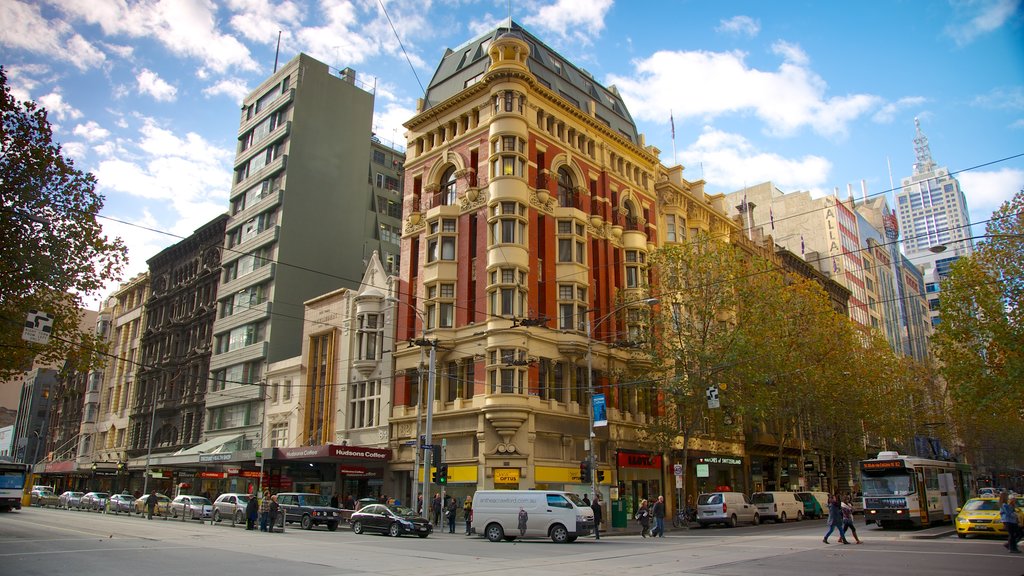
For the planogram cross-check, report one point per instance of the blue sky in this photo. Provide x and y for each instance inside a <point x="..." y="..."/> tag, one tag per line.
<point x="810" y="95"/>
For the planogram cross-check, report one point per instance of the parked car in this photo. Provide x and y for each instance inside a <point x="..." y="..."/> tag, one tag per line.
<point x="43" y="488"/>
<point x="38" y="494"/>
<point x="188" y="506"/>
<point x="988" y="492"/>
<point x="391" y="520"/>
<point x="48" y="499"/>
<point x="120" y="503"/>
<point x="231" y="505"/>
<point x="812" y="507"/>
<point x="729" y="508"/>
<point x="980" y="516"/>
<point x="308" y="510"/>
<point x="778" y="506"/>
<point x="561" y="516"/>
<point x="69" y="499"/>
<point x="94" y="501"/>
<point x="162" y="501"/>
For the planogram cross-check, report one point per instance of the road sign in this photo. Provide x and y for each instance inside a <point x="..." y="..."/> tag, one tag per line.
<point x="677" y="469"/>
<point x="38" y="326"/>
<point x="712" y="396"/>
<point x="427" y="446"/>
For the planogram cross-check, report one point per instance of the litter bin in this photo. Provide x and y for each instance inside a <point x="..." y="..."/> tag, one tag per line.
<point x="619" y="518"/>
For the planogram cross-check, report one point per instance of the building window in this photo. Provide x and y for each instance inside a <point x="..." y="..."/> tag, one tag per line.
<point x="254" y="194"/>
<point x="237" y="375"/>
<point x="508" y="292"/>
<point x="364" y="399"/>
<point x="508" y="156"/>
<point x="378" y="157"/>
<point x="370" y="337"/>
<point x="448" y="187"/>
<point x="279" y="435"/>
<point x="247" y="263"/>
<point x="441" y="241"/>
<point x="567" y="196"/>
<point x="572" y="307"/>
<point x="634" y="260"/>
<point x="508" y="371"/>
<point x="508" y="223"/>
<point x="233" y="416"/>
<point x="240" y="337"/>
<point x="571" y="241"/>
<point x="670" y="227"/>
<point x="243" y="300"/>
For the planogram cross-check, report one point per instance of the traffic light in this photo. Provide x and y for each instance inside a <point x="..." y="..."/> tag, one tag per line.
<point x="435" y="475"/>
<point x="600" y="475"/>
<point x="585" y="471"/>
<point x="442" y="474"/>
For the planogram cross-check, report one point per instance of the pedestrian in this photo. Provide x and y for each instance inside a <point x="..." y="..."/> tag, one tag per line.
<point x="835" y="519"/>
<point x="659" y="517"/>
<point x="274" y="510"/>
<point x="350" y="502"/>
<point x="596" y="507"/>
<point x="467" y="514"/>
<point x="586" y="500"/>
<point x="435" y="509"/>
<point x="848" y="523"/>
<point x="452" y="510"/>
<point x="150" y="505"/>
<point x="643" y="515"/>
<point x="264" y="510"/>
<point x="1008" y="516"/>
<point x="334" y="500"/>
<point x="252" y="508"/>
<point x="523" y="517"/>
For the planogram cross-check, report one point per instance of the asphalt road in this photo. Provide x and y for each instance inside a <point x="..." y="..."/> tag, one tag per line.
<point x="51" y="542"/>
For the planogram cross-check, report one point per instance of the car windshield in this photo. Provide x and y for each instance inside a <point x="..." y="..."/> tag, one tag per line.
<point x="200" y="501"/>
<point x="974" y="505"/>
<point x="892" y="485"/>
<point x="313" y="500"/>
<point x="402" y="511"/>
<point x="101" y="495"/>
<point x="243" y="498"/>
<point x="705" y="499"/>
<point x="576" y="499"/>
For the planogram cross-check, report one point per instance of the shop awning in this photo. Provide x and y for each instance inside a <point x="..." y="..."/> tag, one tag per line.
<point x="211" y="446"/>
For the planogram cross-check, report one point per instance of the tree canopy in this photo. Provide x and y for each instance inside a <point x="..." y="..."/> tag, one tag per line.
<point x="53" y="252"/>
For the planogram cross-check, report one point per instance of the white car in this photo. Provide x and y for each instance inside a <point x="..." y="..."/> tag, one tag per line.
<point x="194" y="507"/>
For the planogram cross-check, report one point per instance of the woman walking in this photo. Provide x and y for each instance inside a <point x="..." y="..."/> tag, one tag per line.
<point x="835" y="519"/>
<point x="1008" y="515"/>
<point x="848" y="524"/>
<point x="643" y="515"/>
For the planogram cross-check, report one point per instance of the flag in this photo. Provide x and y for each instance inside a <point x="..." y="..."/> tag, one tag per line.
<point x="771" y="217"/>
<point x="801" y="244"/>
<point x="672" y="122"/>
<point x="835" y="266"/>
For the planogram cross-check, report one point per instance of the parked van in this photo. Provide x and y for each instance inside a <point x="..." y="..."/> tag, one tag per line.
<point x="778" y="506"/>
<point x="729" y="508"/>
<point x="812" y="508"/>
<point x="561" y="516"/>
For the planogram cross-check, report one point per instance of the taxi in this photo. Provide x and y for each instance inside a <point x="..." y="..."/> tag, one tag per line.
<point x="980" y="516"/>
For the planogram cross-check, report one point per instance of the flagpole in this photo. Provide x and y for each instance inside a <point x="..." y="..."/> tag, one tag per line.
<point x="672" y="123"/>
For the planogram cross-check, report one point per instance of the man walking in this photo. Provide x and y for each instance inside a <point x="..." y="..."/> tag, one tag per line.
<point x="435" y="509"/>
<point x="596" y="507"/>
<point x="150" y="505"/>
<point x="659" y="517"/>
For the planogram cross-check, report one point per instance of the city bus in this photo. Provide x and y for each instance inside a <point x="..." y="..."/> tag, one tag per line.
<point x="12" y="485"/>
<point x="912" y="491"/>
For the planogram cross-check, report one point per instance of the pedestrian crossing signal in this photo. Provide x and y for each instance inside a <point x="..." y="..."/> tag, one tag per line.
<point x="442" y="474"/>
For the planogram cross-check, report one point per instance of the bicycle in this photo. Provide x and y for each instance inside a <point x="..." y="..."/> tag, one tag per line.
<point x="683" y="517"/>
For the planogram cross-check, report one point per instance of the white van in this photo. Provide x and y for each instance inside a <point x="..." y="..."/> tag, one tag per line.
<point x="561" y="516"/>
<point x="778" y="506"/>
<point x="729" y="508"/>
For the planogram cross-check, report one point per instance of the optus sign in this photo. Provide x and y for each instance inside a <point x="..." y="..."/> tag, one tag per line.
<point x="639" y="460"/>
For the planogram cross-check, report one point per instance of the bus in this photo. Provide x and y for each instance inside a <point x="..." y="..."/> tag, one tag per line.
<point x="912" y="491"/>
<point x="12" y="485"/>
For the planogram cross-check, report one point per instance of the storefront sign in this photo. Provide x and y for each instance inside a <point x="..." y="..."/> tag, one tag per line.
<point x="639" y="460"/>
<point x="600" y="411"/>
<point x="703" y="471"/>
<point x="211" y="475"/>
<point x="331" y="451"/>
<point x="226" y="457"/>
<point x="360" y="452"/>
<point x="558" y="475"/>
<point x="506" y="475"/>
<point x="60" y="466"/>
<point x="720" y="460"/>
<point x="251" y="474"/>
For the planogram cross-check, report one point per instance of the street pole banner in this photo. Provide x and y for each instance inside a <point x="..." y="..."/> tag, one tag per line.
<point x="600" y="410"/>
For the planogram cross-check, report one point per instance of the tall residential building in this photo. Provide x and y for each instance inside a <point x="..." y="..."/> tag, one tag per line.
<point x="303" y="222"/>
<point x="532" y="203"/>
<point x="932" y="212"/>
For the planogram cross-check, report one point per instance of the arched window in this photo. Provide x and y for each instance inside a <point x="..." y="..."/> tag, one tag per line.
<point x="448" y="188"/>
<point x="566" y="188"/>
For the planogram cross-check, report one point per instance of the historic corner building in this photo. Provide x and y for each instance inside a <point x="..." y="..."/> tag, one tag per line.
<point x="531" y="206"/>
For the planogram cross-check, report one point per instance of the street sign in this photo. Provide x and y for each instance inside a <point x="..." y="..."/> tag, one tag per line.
<point x="712" y="396"/>
<point x="677" y="469"/>
<point x="38" y="326"/>
<point x="428" y="446"/>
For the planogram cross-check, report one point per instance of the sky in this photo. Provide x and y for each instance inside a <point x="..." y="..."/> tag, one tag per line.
<point x="809" y="95"/>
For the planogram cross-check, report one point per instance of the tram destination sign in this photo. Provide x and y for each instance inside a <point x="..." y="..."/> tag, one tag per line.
<point x="882" y="465"/>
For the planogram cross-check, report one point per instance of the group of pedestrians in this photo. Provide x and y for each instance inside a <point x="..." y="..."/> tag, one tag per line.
<point x="445" y="513"/>
<point x="840" y="515"/>
<point x="656" y="512"/>
<point x="264" y="510"/>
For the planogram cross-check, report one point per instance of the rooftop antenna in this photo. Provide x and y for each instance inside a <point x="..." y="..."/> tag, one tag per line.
<point x="278" y="51"/>
<point x="922" y="151"/>
<point x="509" y="3"/>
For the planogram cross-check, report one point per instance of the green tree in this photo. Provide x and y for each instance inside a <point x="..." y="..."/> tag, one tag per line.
<point x="53" y="251"/>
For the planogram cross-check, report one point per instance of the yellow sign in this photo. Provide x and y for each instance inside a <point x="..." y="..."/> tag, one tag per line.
<point x="506" y="475"/>
<point x="557" y="475"/>
<point x="456" y="474"/>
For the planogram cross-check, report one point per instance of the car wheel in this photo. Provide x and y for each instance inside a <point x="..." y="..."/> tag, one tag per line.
<point x="782" y="518"/>
<point x="332" y="526"/>
<point x="307" y="522"/>
<point x="239" y="517"/>
<point x="394" y="530"/>
<point x="357" y="527"/>
<point x="494" y="532"/>
<point x="757" y="519"/>
<point x="216" y="515"/>
<point x="799" y="516"/>
<point x="732" y="521"/>
<point x="559" y="534"/>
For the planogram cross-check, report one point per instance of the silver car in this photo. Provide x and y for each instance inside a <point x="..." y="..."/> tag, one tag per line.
<point x="94" y="501"/>
<point x="69" y="499"/>
<point x="194" y="507"/>
<point x="231" y="505"/>
<point x="120" y="503"/>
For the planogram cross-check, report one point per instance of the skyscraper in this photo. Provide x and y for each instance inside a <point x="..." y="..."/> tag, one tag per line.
<point x="932" y="212"/>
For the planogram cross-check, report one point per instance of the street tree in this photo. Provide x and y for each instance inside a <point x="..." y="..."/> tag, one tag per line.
<point x="53" y="252"/>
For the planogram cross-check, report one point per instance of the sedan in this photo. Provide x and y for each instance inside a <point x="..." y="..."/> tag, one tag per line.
<point x="162" y="501"/>
<point x="40" y="495"/>
<point x="95" y="501"/>
<point x="980" y="516"/>
<point x="194" y="507"/>
<point x="69" y="499"/>
<point x="121" y="503"/>
<point x="391" y="520"/>
<point x="231" y="505"/>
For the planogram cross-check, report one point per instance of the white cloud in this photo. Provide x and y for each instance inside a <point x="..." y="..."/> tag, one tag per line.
<point x="982" y="17"/>
<point x="486" y="23"/>
<point x="577" y="21"/>
<point x="234" y="88"/>
<point x="151" y="83"/>
<point x="387" y="124"/>
<point x="744" y="25"/>
<point x="887" y="113"/>
<point x="125" y="52"/>
<point x="23" y="26"/>
<point x="786" y="100"/>
<point x="91" y="131"/>
<point x="57" y="108"/>
<point x="75" y="150"/>
<point x="791" y="53"/>
<point x="261" y="20"/>
<point x="1001" y="99"/>
<point x="1019" y="124"/>
<point x="730" y="161"/>
<point x="987" y="190"/>
<point x="188" y="28"/>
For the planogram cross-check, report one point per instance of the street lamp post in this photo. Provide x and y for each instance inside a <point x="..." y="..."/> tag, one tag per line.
<point x="590" y="379"/>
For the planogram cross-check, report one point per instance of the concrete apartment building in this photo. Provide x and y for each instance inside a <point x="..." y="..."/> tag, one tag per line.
<point x="306" y="212"/>
<point x="933" y="218"/>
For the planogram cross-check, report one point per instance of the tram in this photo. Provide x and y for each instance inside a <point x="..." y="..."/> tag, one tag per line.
<point x="913" y="491"/>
